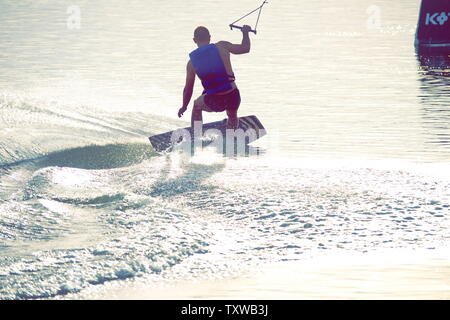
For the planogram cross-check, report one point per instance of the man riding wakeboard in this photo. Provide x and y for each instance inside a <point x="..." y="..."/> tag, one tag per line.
<point x="211" y="62"/>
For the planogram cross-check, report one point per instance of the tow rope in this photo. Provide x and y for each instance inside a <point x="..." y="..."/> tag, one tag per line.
<point x="234" y="26"/>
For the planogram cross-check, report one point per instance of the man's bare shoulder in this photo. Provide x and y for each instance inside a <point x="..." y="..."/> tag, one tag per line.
<point x="223" y="44"/>
<point x="233" y="48"/>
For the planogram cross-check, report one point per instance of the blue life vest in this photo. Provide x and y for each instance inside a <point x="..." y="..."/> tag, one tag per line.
<point x="210" y="69"/>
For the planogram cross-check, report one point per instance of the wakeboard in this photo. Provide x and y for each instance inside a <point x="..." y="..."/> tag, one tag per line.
<point x="250" y="125"/>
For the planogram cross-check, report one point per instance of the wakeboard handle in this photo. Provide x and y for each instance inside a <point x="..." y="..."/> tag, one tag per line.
<point x="240" y="28"/>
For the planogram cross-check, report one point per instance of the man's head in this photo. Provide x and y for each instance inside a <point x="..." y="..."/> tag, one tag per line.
<point x="201" y="36"/>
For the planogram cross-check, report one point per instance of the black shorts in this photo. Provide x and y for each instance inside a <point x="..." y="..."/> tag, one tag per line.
<point x="222" y="102"/>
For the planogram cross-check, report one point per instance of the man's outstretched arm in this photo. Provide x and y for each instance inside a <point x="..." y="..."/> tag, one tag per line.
<point x="188" y="88"/>
<point x="244" y="47"/>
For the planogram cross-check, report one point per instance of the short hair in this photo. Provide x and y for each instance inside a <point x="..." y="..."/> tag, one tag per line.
<point x="201" y="34"/>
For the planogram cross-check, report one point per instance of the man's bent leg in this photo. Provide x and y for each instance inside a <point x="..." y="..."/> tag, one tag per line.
<point x="233" y="120"/>
<point x="197" y="119"/>
<point x="196" y="113"/>
<point x="197" y="123"/>
<point x="199" y="106"/>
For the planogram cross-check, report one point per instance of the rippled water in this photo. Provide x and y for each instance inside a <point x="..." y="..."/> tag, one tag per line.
<point x="356" y="159"/>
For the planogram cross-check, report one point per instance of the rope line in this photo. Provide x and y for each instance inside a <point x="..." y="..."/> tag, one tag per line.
<point x="259" y="13"/>
<point x="232" y="25"/>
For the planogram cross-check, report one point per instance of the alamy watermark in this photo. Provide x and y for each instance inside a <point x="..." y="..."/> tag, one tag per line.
<point x="229" y="141"/>
<point x="73" y="21"/>
<point x="375" y="23"/>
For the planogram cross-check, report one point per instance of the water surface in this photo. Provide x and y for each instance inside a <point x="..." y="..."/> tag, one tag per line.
<point x="356" y="159"/>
